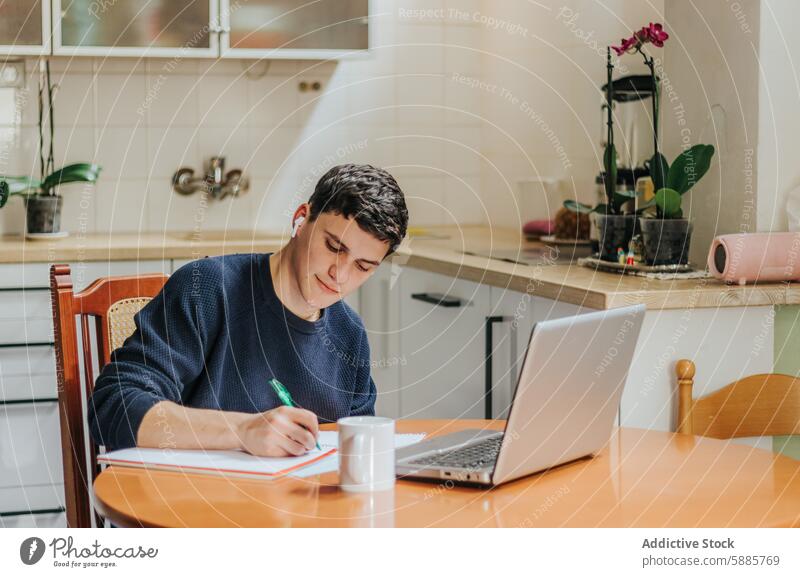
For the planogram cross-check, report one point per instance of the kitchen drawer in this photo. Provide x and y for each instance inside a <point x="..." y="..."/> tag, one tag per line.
<point x="56" y="520"/>
<point x="30" y="445"/>
<point x="31" y="498"/>
<point x="22" y="331"/>
<point x="25" y="304"/>
<point x="37" y="275"/>
<point x="25" y="316"/>
<point x="32" y="506"/>
<point x="27" y="360"/>
<point x="21" y="275"/>
<point x="25" y="387"/>
<point x="27" y="372"/>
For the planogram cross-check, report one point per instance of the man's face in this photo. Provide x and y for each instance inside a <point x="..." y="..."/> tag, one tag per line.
<point x="334" y="257"/>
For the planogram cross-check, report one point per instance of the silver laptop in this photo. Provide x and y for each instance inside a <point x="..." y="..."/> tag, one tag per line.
<point x="564" y="406"/>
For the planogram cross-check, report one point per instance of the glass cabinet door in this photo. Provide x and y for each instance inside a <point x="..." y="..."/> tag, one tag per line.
<point x="25" y="27"/>
<point x="294" y="28"/>
<point x="136" y="28"/>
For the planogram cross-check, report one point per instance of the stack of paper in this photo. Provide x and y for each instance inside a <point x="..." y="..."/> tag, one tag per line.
<point x="239" y="463"/>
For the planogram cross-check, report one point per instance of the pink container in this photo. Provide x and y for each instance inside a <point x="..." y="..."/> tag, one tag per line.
<point x="762" y="257"/>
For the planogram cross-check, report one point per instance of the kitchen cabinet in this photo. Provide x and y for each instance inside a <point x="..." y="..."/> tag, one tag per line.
<point x="25" y="27"/>
<point x="442" y="343"/>
<point x="260" y="29"/>
<point x="515" y="314"/>
<point x="179" y="28"/>
<point x="431" y="337"/>
<point x="380" y="313"/>
<point x="31" y="474"/>
<point x="294" y="28"/>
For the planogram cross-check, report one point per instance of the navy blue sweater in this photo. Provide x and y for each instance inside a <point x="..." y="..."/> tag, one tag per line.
<point x="212" y="339"/>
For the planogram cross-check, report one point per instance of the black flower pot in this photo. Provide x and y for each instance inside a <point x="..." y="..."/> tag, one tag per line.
<point x="666" y="241"/>
<point x="43" y="214"/>
<point x="614" y="231"/>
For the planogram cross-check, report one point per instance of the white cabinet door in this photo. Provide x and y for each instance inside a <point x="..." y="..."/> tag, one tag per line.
<point x="295" y="29"/>
<point x="25" y="27"/>
<point x="508" y="341"/>
<point x="442" y="324"/>
<point x="135" y="28"/>
<point x="30" y="448"/>
<point x="517" y="313"/>
<point x="380" y="312"/>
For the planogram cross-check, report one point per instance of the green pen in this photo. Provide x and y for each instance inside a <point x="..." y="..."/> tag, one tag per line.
<point x="285" y="397"/>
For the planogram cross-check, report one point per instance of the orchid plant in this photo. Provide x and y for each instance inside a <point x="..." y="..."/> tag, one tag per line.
<point x="49" y="178"/>
<point x="670" y="182"/>
<point x="653" y="34"/>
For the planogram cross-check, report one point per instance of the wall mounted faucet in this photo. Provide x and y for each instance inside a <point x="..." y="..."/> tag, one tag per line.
<point x="216" y="182"/>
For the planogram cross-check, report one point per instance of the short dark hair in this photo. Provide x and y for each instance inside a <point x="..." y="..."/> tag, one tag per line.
<point x="368" y="194"/>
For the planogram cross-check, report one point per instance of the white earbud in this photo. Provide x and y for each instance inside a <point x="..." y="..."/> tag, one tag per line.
<point x="298" y="221"/>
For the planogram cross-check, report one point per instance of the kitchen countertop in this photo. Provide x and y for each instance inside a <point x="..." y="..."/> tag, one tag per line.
<point x="442" y="251"/>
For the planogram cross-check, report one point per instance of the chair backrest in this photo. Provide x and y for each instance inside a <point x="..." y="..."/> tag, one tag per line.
<point x="110" y="305"/>
<point x="755" y="406"/>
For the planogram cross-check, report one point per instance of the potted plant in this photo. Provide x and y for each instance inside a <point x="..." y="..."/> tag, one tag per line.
<point x="615" y="229"/>
<point x="43" y="203"/>
<point x="667" y="237"/>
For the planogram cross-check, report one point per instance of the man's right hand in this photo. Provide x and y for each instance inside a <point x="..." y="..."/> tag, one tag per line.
<point x="281" y="432"/>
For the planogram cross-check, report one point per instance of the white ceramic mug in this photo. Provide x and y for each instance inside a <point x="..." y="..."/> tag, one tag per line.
<point x="366" y="454"/>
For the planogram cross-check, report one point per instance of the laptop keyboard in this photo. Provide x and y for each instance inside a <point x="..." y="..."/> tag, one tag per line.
<point x="477" y="456"/>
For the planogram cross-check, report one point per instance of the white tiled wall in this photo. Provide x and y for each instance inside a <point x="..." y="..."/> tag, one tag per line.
<point x="456" y="150"/>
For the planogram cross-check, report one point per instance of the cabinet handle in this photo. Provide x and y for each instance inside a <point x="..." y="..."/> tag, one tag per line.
<point x="487" y="378"/>
<point x="386" y="288"/>
<point x="28" y="401"/>
<point x="25" y="345"/>
<point x="437" y="299"/>
<point x="24" y="289"/>
<point x="33" y="512"/>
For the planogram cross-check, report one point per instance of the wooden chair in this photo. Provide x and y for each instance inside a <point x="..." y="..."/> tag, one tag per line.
<point x="755" y="406"/>
<point x="111" y="304"/>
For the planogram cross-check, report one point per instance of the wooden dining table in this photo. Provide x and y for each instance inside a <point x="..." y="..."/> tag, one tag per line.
<point x="641" y="478"/>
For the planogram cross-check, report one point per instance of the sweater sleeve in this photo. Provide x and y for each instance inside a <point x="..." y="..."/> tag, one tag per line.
<point x="165" y="353"/>
<point x="365" y="390"/>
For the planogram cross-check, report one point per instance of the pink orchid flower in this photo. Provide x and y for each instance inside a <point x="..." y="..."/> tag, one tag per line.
<point x="627" y="45"/>
<point x="653" y="34"/>
<point x="656" y="34"/>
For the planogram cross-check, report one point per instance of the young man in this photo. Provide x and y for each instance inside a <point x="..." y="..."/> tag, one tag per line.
<point x="195" y="373"/>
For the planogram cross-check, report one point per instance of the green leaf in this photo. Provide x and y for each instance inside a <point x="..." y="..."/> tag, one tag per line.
<point x="575" y="206"/>
<point x="659" y="169"/>
<point x="4" y="193"/>
<point x="629" y="193"/>
<point x="669" y="203"/>
<point x="690" y="166"/>
<point x="20" y="184"/>
<point x="610" y="166"/>
<point x="80" y="172"/>
<point x="620" y="199"/>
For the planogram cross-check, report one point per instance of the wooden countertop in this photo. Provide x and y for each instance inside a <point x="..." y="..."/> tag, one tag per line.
<point x="443" y="254"/>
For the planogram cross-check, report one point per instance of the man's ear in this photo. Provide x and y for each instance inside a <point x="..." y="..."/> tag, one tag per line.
<point x="296" y="226"/>
<point x="301" y="215"/>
